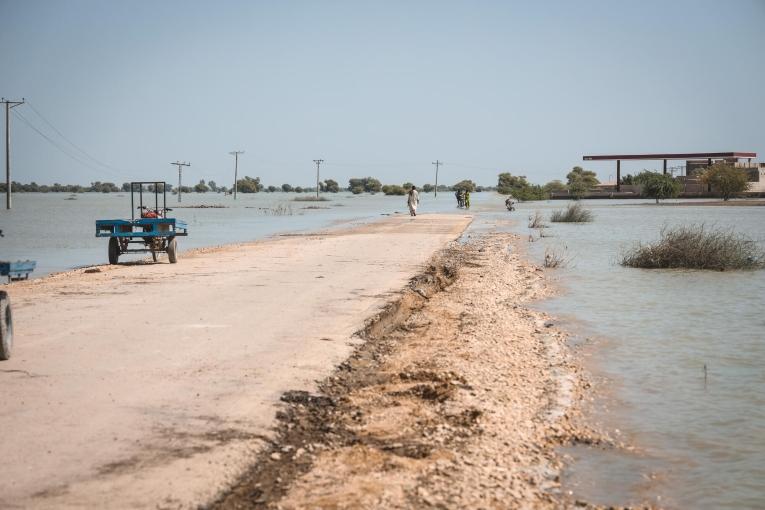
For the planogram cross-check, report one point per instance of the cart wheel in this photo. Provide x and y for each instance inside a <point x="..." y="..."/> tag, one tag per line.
<point x="172" y="246"/>
<point x="114" y="250"/>
<point x="6" y="326"/>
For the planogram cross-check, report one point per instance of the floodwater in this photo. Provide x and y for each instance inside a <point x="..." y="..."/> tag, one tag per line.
<point x="679" y="358"/>
<point x="58" y="229"/>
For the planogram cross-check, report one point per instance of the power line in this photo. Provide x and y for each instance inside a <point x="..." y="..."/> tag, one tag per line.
<point x="85" y="153"/>
<point x="8" y="105"/>
<point x="318" y="163"/>
<point x="60" y="148"/>
<point x="236" y="170"/>
<point x="180" y="166"/>
<point x="435" y="188"/>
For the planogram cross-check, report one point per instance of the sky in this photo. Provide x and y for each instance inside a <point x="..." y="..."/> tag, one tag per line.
<point x="118" y="90"/>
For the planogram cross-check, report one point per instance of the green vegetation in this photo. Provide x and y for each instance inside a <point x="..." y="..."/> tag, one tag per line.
<point x="657" y="185"/>
<point x="580" y="181"/>
<point x="394" y="189"/>
<point x="537" y="221"/>
<point x="366" y="184"/>
<point x="249" y="185"/>
<point x="725" y="179"/>
<point x="310" y="198"/>
<point x="466" y="185"/>
<point x="519" y="187"/>
<point x="573" y="213"/>
<point x="329" y="186"/>
<point x="553" y="186"/>
<point x="201" y="187"/>
<point x="696" y="247"/>
<point x="427" y="188"/>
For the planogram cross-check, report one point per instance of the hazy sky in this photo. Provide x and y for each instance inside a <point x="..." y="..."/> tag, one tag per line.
<point x="375" y="88"/>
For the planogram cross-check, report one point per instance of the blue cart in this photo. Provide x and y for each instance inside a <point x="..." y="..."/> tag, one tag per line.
<point x="152" y="232"/>
<point x="18" y="270"/>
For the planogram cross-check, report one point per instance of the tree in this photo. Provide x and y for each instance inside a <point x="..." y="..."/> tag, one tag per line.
<point x="519" y="187"/>
<point x="271" y="189"/>
<point x="393" y="189"/>
<point x="201" y="187"/>
<point x="657" y="185"/>
<point x="466" y="185"/>
<point x="249" y="185"/>
<point x="287" y="188"/>
<point x="552" y="186"/>
<point x="427" y="188"/>
<point x="357" y="190"/>
<point x="330" y="186"/>
<point x="368" y="184"/>
<point x="407" y="185"/>
<point x="298" y="189"/>
<point x="725" y="179"/>
<point x="580" y="174"/>
<point x="213" y="187"/>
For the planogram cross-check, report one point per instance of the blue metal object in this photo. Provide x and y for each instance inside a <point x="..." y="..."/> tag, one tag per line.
<point x="152" y="232"/>
<point x="144" y="227"/>
<point x="18" y="270"/>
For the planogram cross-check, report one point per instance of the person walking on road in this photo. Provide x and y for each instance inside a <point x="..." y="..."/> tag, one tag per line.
<point x="413" y="201"/>
<point x="467" y="199"/>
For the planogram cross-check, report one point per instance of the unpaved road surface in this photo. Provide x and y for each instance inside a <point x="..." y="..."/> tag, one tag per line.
<point x="152" y="386"/>
<point x="458" y="399"/>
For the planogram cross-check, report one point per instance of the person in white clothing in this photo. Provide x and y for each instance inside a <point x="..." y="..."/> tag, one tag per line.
<point x="413" y="201"/>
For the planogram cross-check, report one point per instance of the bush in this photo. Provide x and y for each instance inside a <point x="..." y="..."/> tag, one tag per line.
<point x="696" y="247"/>
<point x="573" y="213"/>
<point x="656" y="185"/>
<point x="537" y="221"/>
<point x="726" y="179"/>
<point x="310" y="198"/>
<point x="393" y="189"/>
<point x="466" y="185"/>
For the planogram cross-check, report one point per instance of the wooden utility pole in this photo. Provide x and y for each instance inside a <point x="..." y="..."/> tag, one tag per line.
<point x="318" y="163"/>
<point x="180" y="166"/>
<point x="8" y="105"/>
<point x="236" y="169"/>
<point x="435" y="189"/>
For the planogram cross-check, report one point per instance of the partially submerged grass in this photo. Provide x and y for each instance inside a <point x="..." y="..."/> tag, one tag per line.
<point x="537" y="221"/>
<point x="310" y="198"/>
<point x="555" y="258"/>
<point x="573" y="213"/>
<point x="697" y="247"/>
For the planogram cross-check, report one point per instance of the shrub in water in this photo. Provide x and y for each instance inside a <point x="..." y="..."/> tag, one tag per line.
<point x="573" y="213"/>
<point x="696" y="247"/>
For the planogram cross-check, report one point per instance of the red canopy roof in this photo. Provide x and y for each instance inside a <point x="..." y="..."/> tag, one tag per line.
<point x="681" y="155"/>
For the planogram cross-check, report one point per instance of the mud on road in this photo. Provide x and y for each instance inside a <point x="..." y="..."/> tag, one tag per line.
<point x="458" y="398"/>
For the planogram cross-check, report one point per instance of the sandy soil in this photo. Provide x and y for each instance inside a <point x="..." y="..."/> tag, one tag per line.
<point x="155" y="386"/>
<point x="459" y="398"/>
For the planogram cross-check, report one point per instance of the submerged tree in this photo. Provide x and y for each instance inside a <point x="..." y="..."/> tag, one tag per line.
<point x="725" y="179"/>
<point x="657" y="185"/>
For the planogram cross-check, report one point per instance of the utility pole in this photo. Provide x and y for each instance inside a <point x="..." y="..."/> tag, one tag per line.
<point x="318" y="163"/>
<point x="435" y="189"/>
<point x="236" y="169"/>
<point x="180" y="166"/>
<point x="8" y="105"/>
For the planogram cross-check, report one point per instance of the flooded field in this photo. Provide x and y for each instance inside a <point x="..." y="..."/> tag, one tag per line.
<point x="58" y="229"/>
<point x="679" y="357"/>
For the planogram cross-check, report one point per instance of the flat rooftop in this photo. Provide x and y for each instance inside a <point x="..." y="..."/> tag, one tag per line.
<point x="678" y="155"/>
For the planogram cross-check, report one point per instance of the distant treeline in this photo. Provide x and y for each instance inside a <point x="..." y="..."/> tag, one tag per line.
<point x="247" y="185"/>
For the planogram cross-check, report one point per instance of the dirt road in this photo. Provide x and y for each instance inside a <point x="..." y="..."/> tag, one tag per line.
<point x="149" y="386"/>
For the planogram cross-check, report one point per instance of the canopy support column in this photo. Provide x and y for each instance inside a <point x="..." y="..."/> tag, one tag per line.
<point x="618" y="175"/>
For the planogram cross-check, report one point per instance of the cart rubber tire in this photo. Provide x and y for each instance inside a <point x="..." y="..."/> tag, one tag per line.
<point x="6" y="326"/>
<point x="172" y="247"/>
<point x="114" y="250"/>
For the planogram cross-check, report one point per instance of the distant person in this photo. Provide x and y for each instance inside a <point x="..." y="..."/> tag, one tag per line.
<point x="509" y="203"/>
<point x="413" y="201"/>
<point x="467" y="199"/>
<point x="457" y="196"/>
